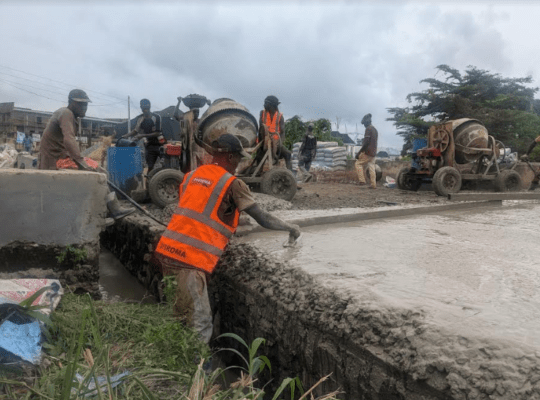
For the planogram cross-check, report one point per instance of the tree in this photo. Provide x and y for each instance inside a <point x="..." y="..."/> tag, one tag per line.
<point x="506" y="106"/>
<point x="295" y="129"/>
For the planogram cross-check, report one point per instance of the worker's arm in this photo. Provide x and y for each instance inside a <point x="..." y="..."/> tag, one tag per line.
<point x="268" y="221"/>
<point x="525" y="157"/>
<point x="365" y="143"/>
<point x="303" y="145"/>
<point x="67" y="125"/>
<point x="176" y="114"/>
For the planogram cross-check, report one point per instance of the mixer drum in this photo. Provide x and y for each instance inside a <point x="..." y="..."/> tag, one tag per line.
<point x="228" y="116"/>
<point x="469" y="133"/>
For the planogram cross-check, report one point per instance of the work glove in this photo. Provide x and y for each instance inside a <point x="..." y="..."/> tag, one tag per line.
<point x="524" y="157"/>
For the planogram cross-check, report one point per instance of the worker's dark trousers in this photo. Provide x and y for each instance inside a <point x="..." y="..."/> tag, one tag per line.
<point x="151" y="156"/>
<point x="305" y="161"/>
<point x="286" y="154"/>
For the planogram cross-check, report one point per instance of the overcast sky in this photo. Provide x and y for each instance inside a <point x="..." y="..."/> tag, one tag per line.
<point x="321" y="59"/>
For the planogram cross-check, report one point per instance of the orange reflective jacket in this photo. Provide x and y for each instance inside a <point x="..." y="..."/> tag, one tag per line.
<point x="195" y="235"/>
<point x="273" y="125"/>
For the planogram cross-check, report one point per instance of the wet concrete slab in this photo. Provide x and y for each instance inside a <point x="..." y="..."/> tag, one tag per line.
<point x="468" y="278"/>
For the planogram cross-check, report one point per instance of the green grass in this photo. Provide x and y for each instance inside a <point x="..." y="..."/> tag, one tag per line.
<point x="164" y="356"/>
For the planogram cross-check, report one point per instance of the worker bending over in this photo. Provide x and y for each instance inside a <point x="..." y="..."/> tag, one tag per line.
<point x="211" y="199"/>
<point x="367" y="153"/>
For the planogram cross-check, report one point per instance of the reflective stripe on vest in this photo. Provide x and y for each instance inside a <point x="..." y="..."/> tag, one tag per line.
<point x="195" y="235"/>
<point x="273" y="127"/>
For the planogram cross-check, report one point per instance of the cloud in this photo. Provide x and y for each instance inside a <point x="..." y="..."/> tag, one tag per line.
<point x="323" y="60"/>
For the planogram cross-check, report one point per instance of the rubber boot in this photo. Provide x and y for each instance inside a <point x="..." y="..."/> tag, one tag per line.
<point x="306" y="176"/>
<point x="116" y="211"/>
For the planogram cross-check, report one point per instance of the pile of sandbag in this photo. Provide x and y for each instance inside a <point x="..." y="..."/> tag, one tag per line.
<point x="8" y="156"/>
<point x="330" y="157"/>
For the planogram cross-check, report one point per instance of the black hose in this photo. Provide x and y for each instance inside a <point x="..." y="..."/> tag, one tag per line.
<point x="134" y="203"/>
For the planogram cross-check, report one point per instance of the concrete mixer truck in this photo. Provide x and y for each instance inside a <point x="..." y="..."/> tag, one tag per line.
<point x="261" y="172"/>
<point x="456" y="152"/>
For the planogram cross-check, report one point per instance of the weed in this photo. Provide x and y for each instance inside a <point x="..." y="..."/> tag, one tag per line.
<point x="72" y="256"/>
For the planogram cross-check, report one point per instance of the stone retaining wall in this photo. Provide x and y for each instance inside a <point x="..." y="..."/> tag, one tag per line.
<point x="310" y="331"/>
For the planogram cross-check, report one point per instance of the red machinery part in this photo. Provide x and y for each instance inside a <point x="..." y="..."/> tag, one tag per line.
<point x="173" y="149"/>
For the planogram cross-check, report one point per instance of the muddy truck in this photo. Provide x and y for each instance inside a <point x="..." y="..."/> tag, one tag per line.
<point x="262" y="172"/>
<point x="459" y="152"/>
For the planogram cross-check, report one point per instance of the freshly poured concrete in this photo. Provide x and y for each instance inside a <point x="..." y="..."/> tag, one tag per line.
<point x="469" y="279"/>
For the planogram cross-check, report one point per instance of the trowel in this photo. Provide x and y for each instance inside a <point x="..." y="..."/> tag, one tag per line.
<point x="292" y="242"/>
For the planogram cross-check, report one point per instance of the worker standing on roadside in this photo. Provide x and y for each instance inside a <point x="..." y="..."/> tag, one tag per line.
<point x="27" y="142"/>
<point x="307" y="153"/>
<point x="148" y="127"/>
<point x="211" y="199"/>
<point x="273" y="119"/>
<point x="59" y="148"/>
<point x="367" y="153"/>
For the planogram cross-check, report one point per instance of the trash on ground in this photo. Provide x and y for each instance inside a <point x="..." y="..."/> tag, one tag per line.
<point x="90" y="387"/>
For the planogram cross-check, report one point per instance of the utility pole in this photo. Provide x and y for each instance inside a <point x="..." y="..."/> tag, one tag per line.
<point x="129" y="115"/>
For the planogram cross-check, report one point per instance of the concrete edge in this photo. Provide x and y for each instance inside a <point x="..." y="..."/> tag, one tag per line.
<point x="362" y="216"/>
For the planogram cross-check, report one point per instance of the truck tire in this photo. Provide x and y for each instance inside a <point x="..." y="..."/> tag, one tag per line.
<point x="508" y="181"/>
<point x="280" y="183"/>
<point x="446" y="180"/>
<point x="378" y="173"/>
<point x="164" y="187"/>
<point x="405" y="182"/>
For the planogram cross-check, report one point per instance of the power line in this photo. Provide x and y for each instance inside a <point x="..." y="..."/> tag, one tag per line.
<point x="30" y="86"/>
<point x="63" y="83"/>
<point x="40" y="95"/>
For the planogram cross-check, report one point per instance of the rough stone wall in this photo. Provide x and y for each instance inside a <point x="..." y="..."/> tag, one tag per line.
<point x="373" y="352"/>
<point x="311" y="331"/>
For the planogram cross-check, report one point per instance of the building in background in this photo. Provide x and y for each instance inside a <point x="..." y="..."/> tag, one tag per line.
<point x="18" y="119"/>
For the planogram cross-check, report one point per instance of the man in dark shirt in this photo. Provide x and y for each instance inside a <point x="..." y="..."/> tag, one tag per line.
<point x="367" y="153"/>
<point x="148" y="127"/>
<point x="307" y="153"/>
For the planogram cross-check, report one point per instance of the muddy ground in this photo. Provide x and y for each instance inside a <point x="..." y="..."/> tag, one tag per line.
<point x="320" y="196"/>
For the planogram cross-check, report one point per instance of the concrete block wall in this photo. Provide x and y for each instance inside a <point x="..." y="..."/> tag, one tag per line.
<point x="43" y="212"/>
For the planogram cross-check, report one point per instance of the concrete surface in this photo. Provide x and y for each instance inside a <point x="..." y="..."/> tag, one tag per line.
<point x="51" y="207"/>
<point x="449" y="300"/>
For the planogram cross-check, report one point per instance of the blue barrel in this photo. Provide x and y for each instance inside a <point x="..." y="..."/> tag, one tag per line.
<point x="418" y="143"/>
<point x="125" y="166"/>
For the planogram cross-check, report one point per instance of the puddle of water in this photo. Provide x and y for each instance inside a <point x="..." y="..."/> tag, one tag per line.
<point x="471" y="271"/>
<point x="115" y="280"/>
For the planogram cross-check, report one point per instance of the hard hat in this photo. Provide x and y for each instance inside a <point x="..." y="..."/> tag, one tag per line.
<point x="79" y="95"/>
<point x="230" y="144"/>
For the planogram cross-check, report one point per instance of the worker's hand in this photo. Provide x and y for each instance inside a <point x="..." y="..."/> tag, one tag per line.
<point x="138" y="137"/>
<point x="524" y="157"/>
<point x="84" y="166"/>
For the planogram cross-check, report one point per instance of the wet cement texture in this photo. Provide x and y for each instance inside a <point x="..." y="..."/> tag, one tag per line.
<point x="448" y="300"/>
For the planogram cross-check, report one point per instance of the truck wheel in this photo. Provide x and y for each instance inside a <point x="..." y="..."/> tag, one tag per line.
<point x="280" y="183"/>
<point x="405" y="182"/>
<point x="508" y="181"/>
<point x="153" y="172"/>
<point x="446" y="180"/>
<point x="164" y="187"/>
<point x="378" y="173"/>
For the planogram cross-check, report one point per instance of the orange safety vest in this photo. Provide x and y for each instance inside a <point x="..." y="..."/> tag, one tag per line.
<point x="273" y="126"/>
<point x="195" y="235"/>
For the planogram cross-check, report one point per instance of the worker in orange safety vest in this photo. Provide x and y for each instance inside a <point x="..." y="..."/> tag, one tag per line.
<point x="211" y="199"/>
<point x="273" y="119"/>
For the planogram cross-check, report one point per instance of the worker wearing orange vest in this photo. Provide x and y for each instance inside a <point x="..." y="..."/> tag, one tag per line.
<point x="273" y="119"/>
<point x="211" y="199"/>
